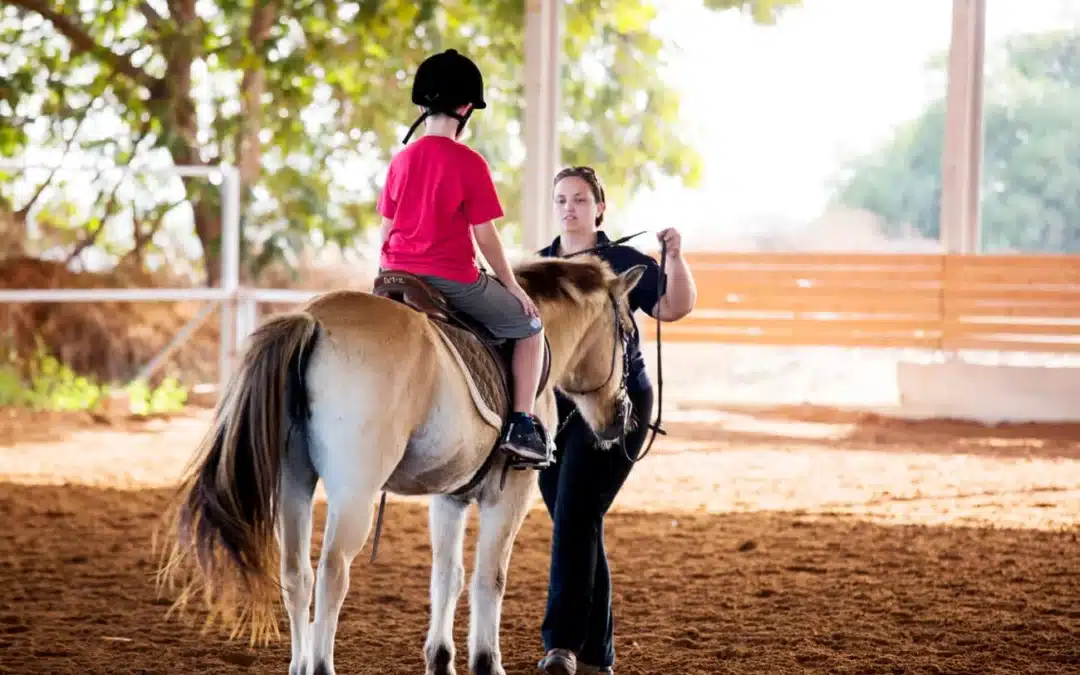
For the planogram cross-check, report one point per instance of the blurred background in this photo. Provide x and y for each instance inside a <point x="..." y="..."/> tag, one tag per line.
<point x="751" y="125"/>
<point x="789" y="522"/>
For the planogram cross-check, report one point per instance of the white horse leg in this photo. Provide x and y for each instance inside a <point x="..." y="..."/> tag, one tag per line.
<point x="298" y="481"/>
<point x="446" y="521"/>
<point x="348" y="521"/>
<point x="352" y="477"/>
<point x="501" y="515"/>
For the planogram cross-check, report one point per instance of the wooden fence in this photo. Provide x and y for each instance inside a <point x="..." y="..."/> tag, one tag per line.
<point x="948" y="302"/>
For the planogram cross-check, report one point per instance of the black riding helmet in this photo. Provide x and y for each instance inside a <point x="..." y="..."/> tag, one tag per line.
<point x="444" y="82"/>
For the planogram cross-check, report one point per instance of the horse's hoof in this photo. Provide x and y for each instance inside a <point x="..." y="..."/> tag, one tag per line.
<point x="441" y="662"/>
<point x="299" y="669"/>
<point x="485" y="664"/>
<point x="323" y="668"/>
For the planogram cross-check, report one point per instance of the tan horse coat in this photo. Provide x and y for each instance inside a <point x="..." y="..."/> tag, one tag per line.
<point x="361" y="392"/>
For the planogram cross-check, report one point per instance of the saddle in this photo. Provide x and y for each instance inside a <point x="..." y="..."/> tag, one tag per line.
<point x="487" y="358"/>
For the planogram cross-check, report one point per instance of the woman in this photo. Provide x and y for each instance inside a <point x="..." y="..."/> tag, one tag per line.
<point x="580" y="487"/>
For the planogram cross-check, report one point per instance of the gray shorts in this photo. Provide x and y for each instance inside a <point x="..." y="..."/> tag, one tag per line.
<point x="488" y="302"/>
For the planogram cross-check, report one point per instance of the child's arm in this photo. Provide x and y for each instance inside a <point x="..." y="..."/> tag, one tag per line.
<point x="490" y="243"/>
<point x="384" y="229"/>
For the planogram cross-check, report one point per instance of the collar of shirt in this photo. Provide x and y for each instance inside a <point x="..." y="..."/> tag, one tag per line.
<point x="549" y="251"/>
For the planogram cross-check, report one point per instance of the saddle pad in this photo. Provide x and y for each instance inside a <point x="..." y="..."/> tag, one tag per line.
<point x="483" y="373"/>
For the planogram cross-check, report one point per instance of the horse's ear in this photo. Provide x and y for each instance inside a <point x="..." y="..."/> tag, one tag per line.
<point x="627" y="280"/>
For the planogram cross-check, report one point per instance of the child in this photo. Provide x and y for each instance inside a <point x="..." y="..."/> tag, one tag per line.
<point x="439" y="194"/>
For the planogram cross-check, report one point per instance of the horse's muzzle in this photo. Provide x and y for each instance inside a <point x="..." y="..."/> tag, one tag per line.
<point x="616" y="430"/>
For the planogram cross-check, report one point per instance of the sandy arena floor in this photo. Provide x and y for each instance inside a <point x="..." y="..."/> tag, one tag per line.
<point x="798" y="540"/>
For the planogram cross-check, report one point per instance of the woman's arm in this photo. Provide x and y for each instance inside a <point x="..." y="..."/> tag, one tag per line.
<point x="681" y="293"/>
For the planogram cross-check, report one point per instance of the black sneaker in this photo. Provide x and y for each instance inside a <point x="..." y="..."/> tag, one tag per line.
<point x="525" y="441"/>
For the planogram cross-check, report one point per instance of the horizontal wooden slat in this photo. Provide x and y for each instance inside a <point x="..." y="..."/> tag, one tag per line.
<point x="815" y="259"/>
<point x="995" y="276"/>
<point x="854" y="302"/>
<point x="838" y="276"/>
<point x="709" y="296"/>
<point x="999" y="345"/>
<point x="788" y="339"/>
<point x="1005" y="308"/>
<point x="832" y="326"/>
<point x="959" y="328"/>
<point x="928" y="301"/>
<point x="1018" y="294"/>
<point x="1017" y="261"/>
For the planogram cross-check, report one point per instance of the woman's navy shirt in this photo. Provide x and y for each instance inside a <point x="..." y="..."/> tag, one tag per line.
<point x="644" y="296"/>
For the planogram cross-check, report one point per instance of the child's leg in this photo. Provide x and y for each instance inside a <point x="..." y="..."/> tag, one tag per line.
<point x="527" y="365"/>
<point x="491" y="304"/>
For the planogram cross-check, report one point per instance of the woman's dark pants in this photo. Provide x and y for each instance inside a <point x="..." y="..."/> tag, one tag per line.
<point x="578" y="490"/>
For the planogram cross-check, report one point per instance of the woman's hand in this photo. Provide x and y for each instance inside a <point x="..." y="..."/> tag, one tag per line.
<point x="518" y="292"/>
<point x="680" y="293"/>
<point x="673" y="239"/>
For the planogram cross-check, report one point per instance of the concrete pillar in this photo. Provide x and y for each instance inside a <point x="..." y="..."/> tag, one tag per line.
<point x="961" y="166"/>
<point x="543" y="51"/>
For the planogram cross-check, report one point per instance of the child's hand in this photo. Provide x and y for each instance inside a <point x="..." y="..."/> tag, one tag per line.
<point x="530" y="307"/>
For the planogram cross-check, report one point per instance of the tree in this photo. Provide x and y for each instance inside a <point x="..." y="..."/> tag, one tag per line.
<point x="1031" y="158"/>
<point x="300" y="93"/>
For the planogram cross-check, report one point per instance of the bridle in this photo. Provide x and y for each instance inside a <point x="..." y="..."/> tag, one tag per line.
<point x="620" y="335"/>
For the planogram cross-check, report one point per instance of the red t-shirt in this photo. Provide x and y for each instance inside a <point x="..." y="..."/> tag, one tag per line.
<point x="436" y="190"/>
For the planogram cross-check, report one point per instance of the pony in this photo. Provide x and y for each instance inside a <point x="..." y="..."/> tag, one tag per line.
<point x="362" y="392"/>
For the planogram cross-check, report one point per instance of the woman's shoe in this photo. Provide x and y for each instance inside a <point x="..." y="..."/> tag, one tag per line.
<point x="558" y="662"/>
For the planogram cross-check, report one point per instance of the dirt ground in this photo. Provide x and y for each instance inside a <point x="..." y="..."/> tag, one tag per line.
<point x="794" y="540"/>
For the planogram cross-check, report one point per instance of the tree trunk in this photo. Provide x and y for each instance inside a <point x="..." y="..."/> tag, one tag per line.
<point x="208" y="229"/>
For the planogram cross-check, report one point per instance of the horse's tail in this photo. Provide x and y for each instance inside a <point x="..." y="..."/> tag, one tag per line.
<point x="224" y="518"/>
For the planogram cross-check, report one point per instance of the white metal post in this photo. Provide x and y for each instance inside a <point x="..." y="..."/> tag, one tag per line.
<point x="543" y="49"/>
<point x="231" y="334"/>
<point x="961" y="165"/>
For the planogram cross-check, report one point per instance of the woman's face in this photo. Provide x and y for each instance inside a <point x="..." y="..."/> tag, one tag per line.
<point x="575" y="205"/>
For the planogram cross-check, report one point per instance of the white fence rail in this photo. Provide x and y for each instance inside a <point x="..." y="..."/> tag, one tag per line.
<point x="234" y="327"/>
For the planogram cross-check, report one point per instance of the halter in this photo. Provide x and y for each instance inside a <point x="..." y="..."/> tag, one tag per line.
<point x="620" y="335"/>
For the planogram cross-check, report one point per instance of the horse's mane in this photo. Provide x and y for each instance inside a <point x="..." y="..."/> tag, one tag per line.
<point x="554" y="279"/>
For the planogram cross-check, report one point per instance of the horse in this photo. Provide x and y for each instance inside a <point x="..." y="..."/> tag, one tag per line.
<point x="364" y="391"/>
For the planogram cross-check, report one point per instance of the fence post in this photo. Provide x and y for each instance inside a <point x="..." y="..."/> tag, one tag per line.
<point x="230" y="272"/>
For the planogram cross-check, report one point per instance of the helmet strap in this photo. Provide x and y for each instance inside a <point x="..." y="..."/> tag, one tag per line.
<point x="415" y="124"/>
<point x="461" y="119"/>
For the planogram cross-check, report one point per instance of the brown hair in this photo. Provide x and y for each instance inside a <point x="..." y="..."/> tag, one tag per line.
<point x="587" y="174"/>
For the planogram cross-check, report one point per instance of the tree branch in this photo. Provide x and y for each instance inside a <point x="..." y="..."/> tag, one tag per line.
<point x="82" y="42"/>
<point x="153" y="18"/>
<point x="145" y="236"/>
<point x="110" y="211"/>
<point x="81" y="117"/>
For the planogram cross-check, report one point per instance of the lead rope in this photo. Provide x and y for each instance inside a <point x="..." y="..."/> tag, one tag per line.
<point x="378" y="527"/>
<point x="656" y="426"/>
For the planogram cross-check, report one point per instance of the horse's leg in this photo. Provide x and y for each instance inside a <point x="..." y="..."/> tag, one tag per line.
<point x="501" y="515"/>
<point x="447" y="525"/>
<point x="352" y="478"/>
<point x="298" y="481"/>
